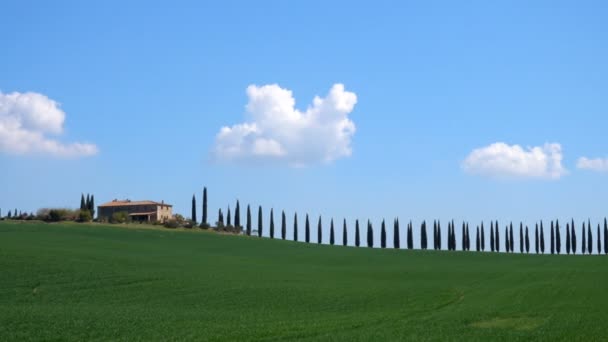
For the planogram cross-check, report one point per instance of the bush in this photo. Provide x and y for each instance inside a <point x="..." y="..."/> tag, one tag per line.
<point x="204" y="226"/>
<point x="120" y="217"/>
<point x="171" y="224"/>
<point x="85" y="216"/>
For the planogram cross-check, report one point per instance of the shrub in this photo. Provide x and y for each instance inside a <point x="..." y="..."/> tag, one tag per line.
<point x="204" y="225"/>
<point x="171" y="224"/>
<point x="120" y="217"/>
<point x="84" y="216"/>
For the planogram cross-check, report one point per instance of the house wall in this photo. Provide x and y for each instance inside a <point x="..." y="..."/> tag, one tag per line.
<point x="163" y="212"/>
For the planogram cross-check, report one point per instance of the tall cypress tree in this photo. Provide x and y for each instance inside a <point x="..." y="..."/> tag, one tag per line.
<point x="357" y="234"/>
<point x="283" y="225"/>
<point x="237" y="215"/>
<point x="228" y="219"/>
<point x="423" y="239"/>
<point x="463" y="238"/>
<point x="272" y="223"/>
<point x="496" y="237"/>
<point x="599" y="242"/>
<point x="193" y="209"/>
<point x="584" y="242"/>
<point x="295" y="227"/>
<point x="383" y="235"/>
<point x="605" y="236"/>
<point x="477" y="242"/>
<point x="492" y="245"/>
<point x="220" y="217"/>
<point x="370" y="235"/>
<point x="573" y="237"/>
<point x="527" y="241"/>
<point x="331" y="232"/>
<point x="468" y="238"/>
<point x="558" y="238"/>
<point x="438" y="235"/>
<point x="248" y="220"/>
<point x="483" y="238"/>
<point x="410" y="236"/>
<point x="92" y="210"/>
<point x="87" y="204"/>
<point x="507" y="242"/>
<point x="344" y="233"/>
<point x="521" y="237"/>
<point x="589" y="238"/>
<point x="319" y="231"/>
<point x="396" y="238"/>
<point x="511" y="237"/>
<point x="307" y="230"/>
<point x="536" y="242"/>
<point x="434" y="235"/>
<point x="83" y="205"/>
<point x="552" y="239"/>
<point x="567" y="238"/>
<point x="542" y="238"/>
<point x="260" y="226"/>
<point x="204" y="205"/>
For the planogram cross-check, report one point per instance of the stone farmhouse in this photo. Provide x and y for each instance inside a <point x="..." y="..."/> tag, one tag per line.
<point x="139" y="211"/>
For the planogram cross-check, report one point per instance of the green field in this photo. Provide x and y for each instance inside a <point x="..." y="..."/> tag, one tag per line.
<point x="91" y="282"/>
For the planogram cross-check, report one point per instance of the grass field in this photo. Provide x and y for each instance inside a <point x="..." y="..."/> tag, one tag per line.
<point x="90" y="282"/>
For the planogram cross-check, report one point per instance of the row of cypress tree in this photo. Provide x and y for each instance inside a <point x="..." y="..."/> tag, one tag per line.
<point x="465" y="244"/>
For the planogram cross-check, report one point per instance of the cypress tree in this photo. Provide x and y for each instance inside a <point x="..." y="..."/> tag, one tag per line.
<point x="492" y="245"/>
<point x="423" y="235"/>
<point x="573" y="237"/>
<point x="542" y="238"/>
<point x="507" y="242"/>
<point x="477" y="242"/>
<point x="589" y="238"/>
<point x="248" y="220"/>
<point x="521" y="237"/>
<point x="370" y="235"/>
<point x="237" y="215"/>
<point x="496" y="237"/>
<point x="220" y="217"/>
<point x="511" y="247"/>
<point x="468" y="238"/>
<point x="92" y="210"/>
<point x="331" y="232"/>
<point x="307" y="230"/>
<point x="205" y="205"/>
<point x="435" y="235"/>
<point x="83" y="205"/>
<point x="283" y="225"/>
<point x="599" y="242"/>
<point x="193" y="209"/>
<point x="295" y="227"/>
<point x="552" y="239"/>
<point x="438" y="235"/>
<point x="271" y="223"/>
<point x="584" y="243"/>
<point x="9" y="215"/>
<point x="536" y="242"/>
<point x="228" y="220"/>
<point x="319" y="231"/>
<point x="396" y="238"/>
<point x="410" y="236"/>
<point x="558" y="238"/>
<point x="483" y="238"/>
<point x="383" y="236"/>
<point x="527" y="241"/>
<point x="87" y="204"/>
<point x="357" y="235"/>
<point x="344" y="233"/>
<point x="260" y="226"/>
<point x="605" y="236"/>
<point x="567" y="238"/>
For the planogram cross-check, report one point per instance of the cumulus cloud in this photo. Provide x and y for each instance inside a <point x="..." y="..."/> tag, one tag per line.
<point x="278" y="132"/>
<point x="500" y="160"/>
<point x="597" y="164"/>
<point x="27" y="120"/>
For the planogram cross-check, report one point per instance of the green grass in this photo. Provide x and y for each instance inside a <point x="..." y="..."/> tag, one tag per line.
<point x="92" y="282"/>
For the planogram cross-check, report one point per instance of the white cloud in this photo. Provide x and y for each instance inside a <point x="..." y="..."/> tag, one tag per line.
<point x="278" y="132"/>
<point x="500" y="160"/>
<point x="26" y="120"/>
<point x="597" y="164"/>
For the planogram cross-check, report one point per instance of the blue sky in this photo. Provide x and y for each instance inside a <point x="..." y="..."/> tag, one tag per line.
<point x="145" y="88"/>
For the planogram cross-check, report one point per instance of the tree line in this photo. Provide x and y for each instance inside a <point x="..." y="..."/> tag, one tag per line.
<point x="232" y="222"/>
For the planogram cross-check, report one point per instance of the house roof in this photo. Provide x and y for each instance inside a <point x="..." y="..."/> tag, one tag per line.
<point x="126" y="203"/>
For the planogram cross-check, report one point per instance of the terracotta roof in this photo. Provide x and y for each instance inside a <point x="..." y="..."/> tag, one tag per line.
<point x="125" y="203"/>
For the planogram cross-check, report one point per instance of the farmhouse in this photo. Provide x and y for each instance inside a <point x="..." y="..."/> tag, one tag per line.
<point x="142" y="211"/>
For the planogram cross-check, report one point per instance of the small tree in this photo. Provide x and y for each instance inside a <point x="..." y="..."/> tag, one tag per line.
<point x="228" y="218"/>
<point x="83" y="205"/>
<point x="248" y="220"/>
<point x="573" y="237"/>
<point x="237" y="215"/>
<point x="220" y="218"/>
<point x="260" y="226"/>
<point x="521" y="237"/>
<point x="295" y="227"/>
<point x="558" y="238"/>
<point x="599" y="242"/>
<point x="584" y="243"/>
<point x="357" y="237"/>
<point x="193" y="209"/>
<point x="396" y="242"/>
<point x="552" y="239"/>
<point x="492" y="244"/>
<point x="204" y="205"/>
<point x="84" y="216"/>
<point x="463" y="238"/>
<point x="477" y="242"/>
<point x="483" y="238"/>
<point x="589" y="239"/>
<point x="272" y="223"/>
<point x="283" y="226"/>
<point x="331" y="232"/>
<point x="410" y="236"/>
<point x="567" y="238"/>
<point x="527" y="241"/>
<point x="511" y="247"/>
<point x="605" y="236"/>
<point x="496" y="237"/>
<point x="383" y="236"/>
<point x="370" y="235"/>
<point x="536" y="241"/>
<point x="542" y="238"/>
<point x="344" y="233"/>
<point x="507" y="242"/>
<point x="319" y="231"/>
<point x="423" y="238"/>
<point x="307" y="230"/>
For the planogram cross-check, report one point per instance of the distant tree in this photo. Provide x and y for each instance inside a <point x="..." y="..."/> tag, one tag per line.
<point x="558" y="238"/>
<point x="552" y="239"/>
<point x="92" y="210"/>
<point x="295" y="227"/>
<point x="204" y="205"/>
<point x="272" y="223"/>
<point x="283" y="225"/>
<point x="605" y="236"/>
<point x="248" y="220"/>
<point x="434" y="235"/>
<point x="567" y="238"/>
<point x="319" y="231"/>
<point x="260" y="226"/>
<point x="410" y="236"/>
<point x="463" y="238"/>
<point x="497" y="237"/>
<point x="83" y="205"/>
<point x="511" y="243"/>
<point x="9" y="215"/>
<point x="228" y="218"/>
<point x="573" y="237"/>
<point x="423" y="238"/>
<point x="507" y="242"/>
<point x="521" y="237"/>
<point x="584" y="243"/>
<point x="357" y="237"/>
<point x="193" y="218"/>
<point x="468" y="239"/>
<point x="331" y="232"/>
<point x="477" y="242"/>
<point x="307" y="230"/>
<point x="370" y="234"/>
<point x="542" y="238"/>
<point x="383" y="235"/>
<point x="87" y="204"/>
<point x="527" y="241"/>
<point x="483" y="238"/>
<point x="536" y="242"/>
<point x="237" y="215"/>
<point x="220" y="218"/>
<point x="344" y="233"/>
<point x="492" y="244"/>
<point x="599" y="242"/>
<point x="589" y="238"/>
<point x="396" y="238"/>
